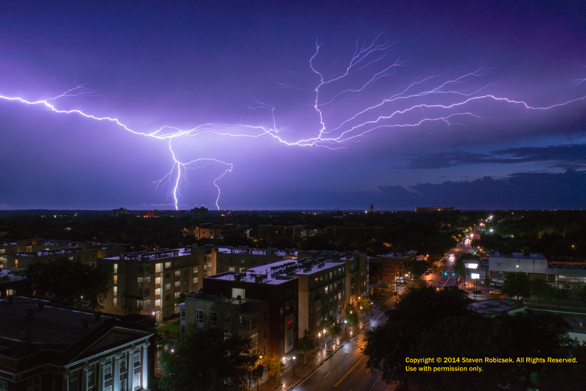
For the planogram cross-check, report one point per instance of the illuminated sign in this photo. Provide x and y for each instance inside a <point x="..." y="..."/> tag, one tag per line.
<point x="475" y="276"/>
<point x="471" y="265"/>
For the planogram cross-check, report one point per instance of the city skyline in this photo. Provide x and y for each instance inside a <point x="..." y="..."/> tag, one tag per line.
<point x="293" y="106"/>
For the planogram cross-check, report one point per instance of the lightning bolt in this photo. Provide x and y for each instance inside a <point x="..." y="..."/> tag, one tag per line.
<point x="368" y="65"/>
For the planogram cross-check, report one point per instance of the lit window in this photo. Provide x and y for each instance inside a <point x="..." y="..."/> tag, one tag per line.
<point x="139" y="280"/>
<point x="177" y="273"/>
<point x="231" y="269"/>
<point x="177" y="294"/>
<point x="115" y="279"/>
<point x="167" y="286"/>
<point x="195" y="280"/>
<point x="114" y="301"/>
<point x="167" y="265"/>
<point x="136" y="359"/>
<point x="177" y="309"/>
<point x="199" y="317"/>
<point x="115" y="290"/>
<point x="137" y="381"/>
<point x="147" y="280"/>
<point x="177" y="284"/>
<point x="195" y="270"/>
<point x="115" y="268"/>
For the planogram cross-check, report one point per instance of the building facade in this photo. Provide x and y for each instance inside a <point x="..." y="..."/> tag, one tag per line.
<point x="51" y="348"/>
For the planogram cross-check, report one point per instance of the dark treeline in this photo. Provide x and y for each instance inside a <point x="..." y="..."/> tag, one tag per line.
<point x="429" y="233"/>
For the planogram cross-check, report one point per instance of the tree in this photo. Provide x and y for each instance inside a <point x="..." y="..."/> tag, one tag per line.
<point x="364" y="306"/>
<point x="351" y="314"/>
<point x="275" y="367"/>
<point x="561" y="294"/>
<point x="582" y="293"/>
<point x="80" y="285"/>
<point x="418" y="268"/>
<point x="306" y="344"/>
<point x="417" y="309"/>
<point x="204" y="360"/>
<point x="517" y="284"/>
<point x="540" y="288"/>
<point x="334" y="328"/>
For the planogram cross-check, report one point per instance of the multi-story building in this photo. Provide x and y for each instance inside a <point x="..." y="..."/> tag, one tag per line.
<point x="277" y="287"/>
<point x="150" y="282"/>
<point x="391" y="267"/>
<point x="49" y="348"/>
<point x="271" y="232"/>
<point x="19" y="255"/>
<point x="208" y="231"/>
<point x="235" y="259"/>
<point x="246" y="317"/>
<point x="198" y="213"/>
<point x="356" y="270"/>
<point x="120" y="212"/>
<point x="353" y="233"/>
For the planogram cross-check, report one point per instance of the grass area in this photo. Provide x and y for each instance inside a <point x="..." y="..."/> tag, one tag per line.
<point x="173" y="327"/>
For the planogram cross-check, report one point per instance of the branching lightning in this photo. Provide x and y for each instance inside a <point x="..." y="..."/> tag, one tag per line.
<point x="408" y="107"/>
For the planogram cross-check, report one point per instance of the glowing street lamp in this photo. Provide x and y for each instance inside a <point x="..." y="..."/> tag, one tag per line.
<point x="294" y="358"/>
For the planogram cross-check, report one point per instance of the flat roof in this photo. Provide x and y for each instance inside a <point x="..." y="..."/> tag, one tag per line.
<point x="496" y="306"/>
<point x="517" y="256"/>
<point x="257" y="251"/>
<point x="22" y="319"/>
<point x="152" y="255"/>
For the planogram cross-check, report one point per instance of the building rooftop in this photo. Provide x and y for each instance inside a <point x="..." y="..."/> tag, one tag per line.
<point x="53" y="251"/>
<point x="278" y="272"/>
<point x="398" y="254"/>
<point x="494" y="307"/>
<point x="257" y="251"/>
<point x="152" y="255"/>
<point x="34" y="321"/>
<point x="517" y="256"/>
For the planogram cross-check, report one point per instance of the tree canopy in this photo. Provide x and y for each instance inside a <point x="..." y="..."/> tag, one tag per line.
<point x="517" y="285"/>
<point x="306" y="344"/>
<point x="419" y="307"/>
<point x="204" y="360"/>
<point x="80" y="284"/>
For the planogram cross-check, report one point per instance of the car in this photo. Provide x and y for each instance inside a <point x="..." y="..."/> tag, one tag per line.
<point x="497" y="292"/>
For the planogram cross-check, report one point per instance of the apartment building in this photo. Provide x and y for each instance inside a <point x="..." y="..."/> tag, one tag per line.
<point x="236" y="259"/>
<point x="276" y="287"/>
<point x="150" y="282"/>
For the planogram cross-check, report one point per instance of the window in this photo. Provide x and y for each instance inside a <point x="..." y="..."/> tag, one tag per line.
<point x="109" y="388"/>
<point x="122" y="364"/>
<point x="139" y="280"/>
<point x="177" y="284"/>
<point x="107" y="372"/>
<point x="167" y="276"/>
<point x="167" y="297"/>
<point x="114" y="301"/>
<point x="146" y="305"/>
<point x="147" y="292"/>
<point x="176" y="309"/>
<point x="182" y="313"/>
<point x="195" y="280"/>
<point x="91" y="378"/>
<point x="254" y="340"/>
<point x="3" y="385"/>
<point x="115" y="290"/>
<point x="136" y="359"/>
<point x="177" y="273"/>
<point x="167" y="265"/>
<point x="252" y="322"/>
<point x="244" y="323"/>
<point x="115" y="279"/>
<point x="168" y="286"/>
<point x="158" y="267"/>
<point x="195" y="270"/>
<point x="231" y="269"/>
<point x="147" y="280"/>
<point x="199" y="317"/>
<point x="227" y="321"/>
<point x="137" y="381"/>
<point x="213" y="318"/>
<point x="177" y="294"/>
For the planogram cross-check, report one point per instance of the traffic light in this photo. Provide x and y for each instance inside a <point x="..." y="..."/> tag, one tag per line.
<point x="445" y="273"/>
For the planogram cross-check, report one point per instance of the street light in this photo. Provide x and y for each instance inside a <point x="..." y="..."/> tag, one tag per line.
<point x="294" y="358"/>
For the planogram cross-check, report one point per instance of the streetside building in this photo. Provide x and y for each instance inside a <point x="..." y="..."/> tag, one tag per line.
<point x="248" y="318"/>
<point x="50" y="348"/>
<point x="149" y="282"/>
<point x="356" y="271"/>
<point x="277" y="287"/>
<point x="209" y="231"/>
<point x="536" y="266"/>
<point x="391" y="267"/>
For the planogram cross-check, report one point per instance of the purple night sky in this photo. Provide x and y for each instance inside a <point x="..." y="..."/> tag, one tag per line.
<point x="477" y="105"/>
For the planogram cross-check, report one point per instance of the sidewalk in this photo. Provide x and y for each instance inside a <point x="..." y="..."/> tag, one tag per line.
<point x="291" y="377"/>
